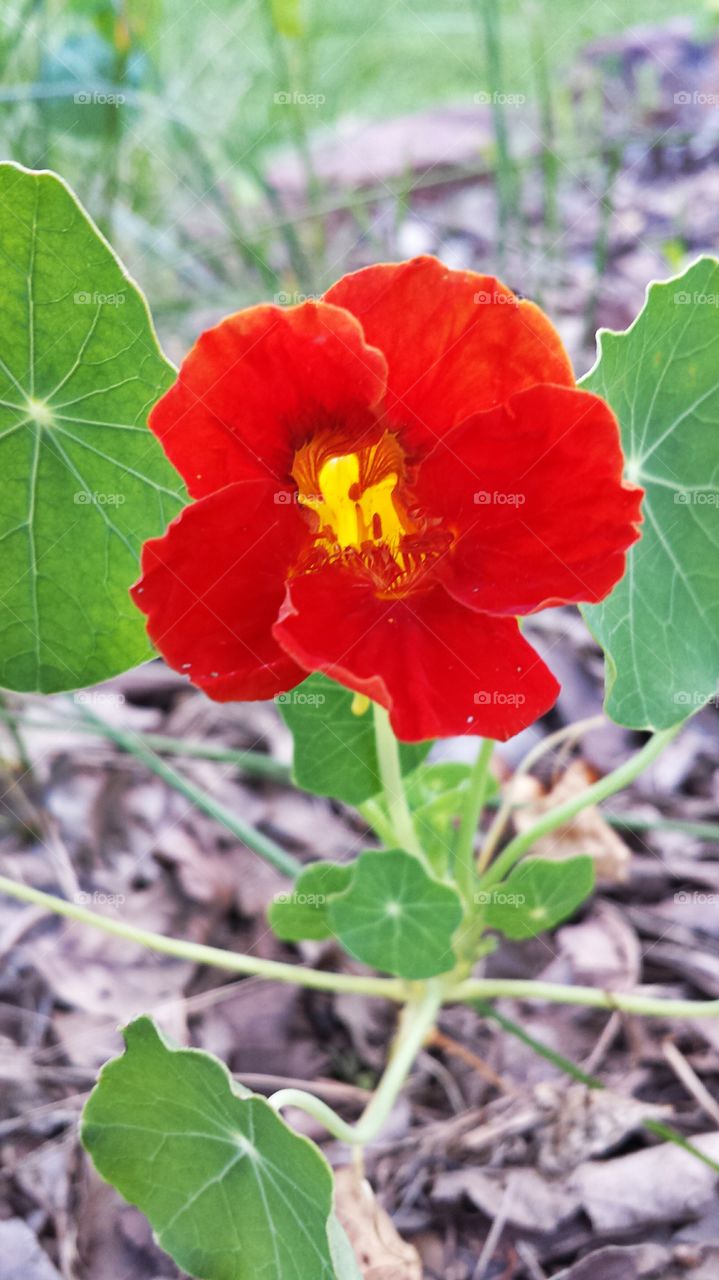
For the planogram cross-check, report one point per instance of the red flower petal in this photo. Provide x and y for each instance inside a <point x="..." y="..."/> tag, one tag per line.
<point x="253" y="388"/>
<point x="456" y="343"/>
<point x="439" y="668"/>
<point x="535" y="490"/>
<point x="213" y="585"/>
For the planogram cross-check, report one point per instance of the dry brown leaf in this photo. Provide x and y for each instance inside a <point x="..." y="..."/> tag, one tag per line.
<point x="588" y="834"/>
<point x="381" y="1253"/>
<point x="524" y="1197"/>
<point x="22" y="1257"/>
<point x="661" y="1184"/>
<point x="621" y="1262"/>
<point x="603" y="950"/>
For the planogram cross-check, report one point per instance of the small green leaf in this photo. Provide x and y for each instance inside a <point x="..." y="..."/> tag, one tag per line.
<point x="230" y="1191"/>
<point x="660" y="624"/>
<point x="335" y="753"/>
<point x="82" y="480"/>
<point x="396" y="917"/>
<point x="537" y="895"/>
<point x="301" y="913"/>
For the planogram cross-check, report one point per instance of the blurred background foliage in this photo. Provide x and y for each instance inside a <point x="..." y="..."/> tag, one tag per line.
<point x="238" y="151"/>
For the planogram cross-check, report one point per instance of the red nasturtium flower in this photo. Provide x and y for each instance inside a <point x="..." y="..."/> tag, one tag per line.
<point x="383" y="481"/>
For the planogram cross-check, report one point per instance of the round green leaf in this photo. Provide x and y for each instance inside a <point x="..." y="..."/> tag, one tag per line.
<point x="230" y="1191"/>
<point x="537" y="895"/>
<point x="301" y="913"/>
<point x="396" y="917"/>
<point x="335" y="753"/>
<point x="660" y="626"/>
<point x="82" y="480"/>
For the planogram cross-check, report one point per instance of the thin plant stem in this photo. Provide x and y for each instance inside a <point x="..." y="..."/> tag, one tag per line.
<point x="390" y="772"/>
<point x="474" y="989"/>
<point x="468" y="991"/>
<point x="233" y="962"/>
<point x="262" y="845"/>
<point x="563" y="813"/>
<point x="474" y="802"/>
<point x="416" y="1023"/>
<point x="568" y="733"/>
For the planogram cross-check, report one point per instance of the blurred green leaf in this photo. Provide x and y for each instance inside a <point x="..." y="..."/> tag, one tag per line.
<point x="301" y="913"/>
<point x="537" y="895"/>
<point x="230" y="1191"/>
<point x="660" y="624"/>
<point x="396" y="917"/>
<point x="334" y="749"/>
<point x="82" y="480"/>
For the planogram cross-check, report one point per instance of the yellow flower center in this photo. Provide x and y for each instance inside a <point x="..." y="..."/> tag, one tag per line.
<point x="363" y="514"/>
<point x="353" y="515"/>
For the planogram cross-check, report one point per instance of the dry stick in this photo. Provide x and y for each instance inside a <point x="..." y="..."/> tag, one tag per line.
<point x="456" y="1049"/>
<point x="684" y="1072"/>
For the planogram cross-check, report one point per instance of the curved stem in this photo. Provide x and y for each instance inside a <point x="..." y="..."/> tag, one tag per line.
<point x="557" y="993"/>
<point x="568" y="734"/>
<point x="259" y="844"/>
<point x="389" y="988"/>
<point x="563" y="813"/>
<point x="417" y="1020"/>
<point x="390" y="772"/>
<point x="474" y="803"/>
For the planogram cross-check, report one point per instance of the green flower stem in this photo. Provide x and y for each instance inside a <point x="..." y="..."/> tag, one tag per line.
<point x="390" y="773"/>
<point x="475" y="800"/>
<point x="473" y="989"/>
<point x="255" y="762"/>
<point x="564" y="813"/>
<point x="360" y="984"/>
<point x="259" y="844"/>
<point x="417" y="1020"/>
